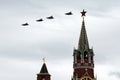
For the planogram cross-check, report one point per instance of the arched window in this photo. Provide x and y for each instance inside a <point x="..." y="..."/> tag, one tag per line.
<point x="85" y="55"/>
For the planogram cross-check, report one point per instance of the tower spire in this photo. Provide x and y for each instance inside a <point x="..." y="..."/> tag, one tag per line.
<point x="44" y="69"/>
<point x="43" y="74"/>
<point x="83" y="63"/>
<point x="83" y="40"/>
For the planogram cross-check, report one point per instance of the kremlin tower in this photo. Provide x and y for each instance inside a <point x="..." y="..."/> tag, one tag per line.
<point x="83" y="57"/>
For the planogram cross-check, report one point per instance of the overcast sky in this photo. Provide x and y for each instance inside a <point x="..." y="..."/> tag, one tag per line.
<point x="22" y="48"/>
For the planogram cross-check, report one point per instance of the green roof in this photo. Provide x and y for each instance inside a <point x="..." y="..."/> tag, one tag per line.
<point x="44" y="69"/>
<point x="83" y="40"/>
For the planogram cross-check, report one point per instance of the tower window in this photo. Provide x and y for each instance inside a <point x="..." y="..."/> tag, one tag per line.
<point x="85" y="55"/>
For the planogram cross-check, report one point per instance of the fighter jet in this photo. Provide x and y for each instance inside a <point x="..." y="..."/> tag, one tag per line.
<point x="25" y="24"/>
<point x="69" y="13"/>
<point x="50" y="17"/>
<point x="39" y="20"/>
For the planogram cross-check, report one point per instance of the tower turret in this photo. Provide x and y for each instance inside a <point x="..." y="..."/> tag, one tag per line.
<point x="83" y="56"/>
<point x="43" y="74"/>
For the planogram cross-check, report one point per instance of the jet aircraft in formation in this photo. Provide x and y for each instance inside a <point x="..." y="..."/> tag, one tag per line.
<point x="39" y="20"/>
<point x="69" y="13"/>
<point x="25" y="24"/>
<point x="49" y="17"/>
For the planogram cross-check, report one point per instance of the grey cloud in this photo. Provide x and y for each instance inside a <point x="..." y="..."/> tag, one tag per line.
<point x="52" y="50"/>
<point x="38" y="5"/>
<point x="116" y="74"/>
<point x="40" y="40"/>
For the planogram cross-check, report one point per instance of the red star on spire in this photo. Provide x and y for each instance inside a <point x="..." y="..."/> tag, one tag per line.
<point x="83" y="13"/>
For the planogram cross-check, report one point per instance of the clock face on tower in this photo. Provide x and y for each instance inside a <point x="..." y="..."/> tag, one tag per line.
<point x="86" y="78"/>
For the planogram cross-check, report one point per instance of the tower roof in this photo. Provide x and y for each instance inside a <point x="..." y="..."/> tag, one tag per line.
<point x="44" y="69"/>
<point x="83" y="40"/>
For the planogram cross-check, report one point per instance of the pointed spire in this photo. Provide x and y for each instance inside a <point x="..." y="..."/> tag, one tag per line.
<point x="44" y="68"/>
<point x="83" y="40"/>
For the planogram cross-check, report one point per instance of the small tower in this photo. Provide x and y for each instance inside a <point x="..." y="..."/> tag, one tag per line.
<point x="83" y="63"/>
<point x="43" y="75"/>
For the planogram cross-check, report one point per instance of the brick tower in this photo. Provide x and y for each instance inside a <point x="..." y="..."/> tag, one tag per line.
<point x="83" y="63"/>
<point x="43" y="75"/>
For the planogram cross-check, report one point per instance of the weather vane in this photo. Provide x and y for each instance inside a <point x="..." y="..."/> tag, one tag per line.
<point x="44" y="60"/>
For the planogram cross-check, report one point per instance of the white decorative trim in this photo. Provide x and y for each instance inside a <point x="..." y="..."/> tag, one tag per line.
<point x="90" y="67"/>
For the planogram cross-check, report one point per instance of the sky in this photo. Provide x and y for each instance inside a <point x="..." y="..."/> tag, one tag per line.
<point x="23" y="47"/>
